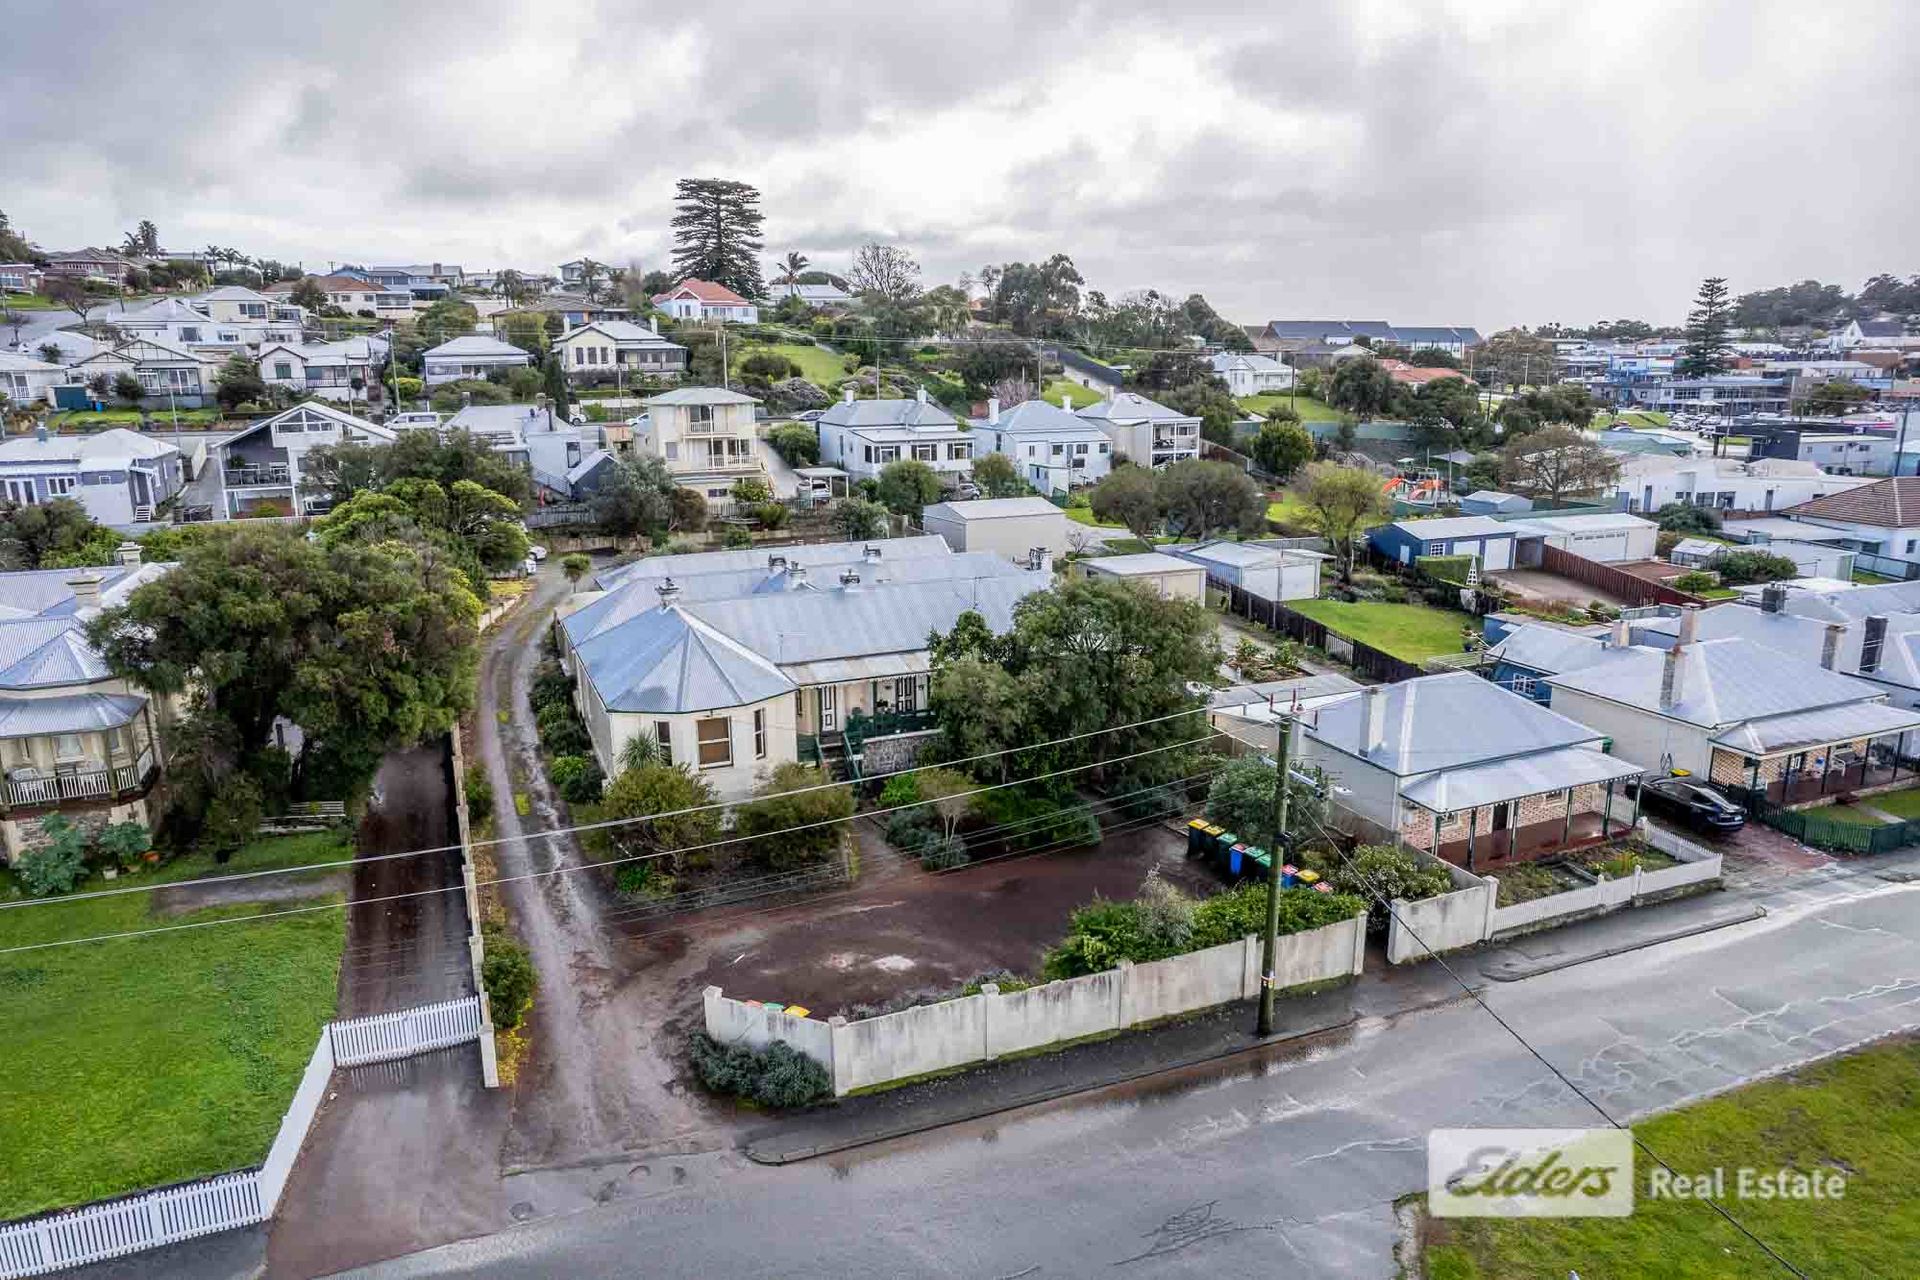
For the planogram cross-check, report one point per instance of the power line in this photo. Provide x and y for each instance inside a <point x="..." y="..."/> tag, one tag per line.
<point x="1542" y="1058"/>
<point x="562" y="870"/>
<point x="602" y="825"/>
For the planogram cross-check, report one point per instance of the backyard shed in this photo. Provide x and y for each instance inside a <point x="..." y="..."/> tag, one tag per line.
<point x="1492" y="502"/>
<point x="1405" y="541"/>
<point x="1011" y="527"/>
<point x="1270" y="573"/>
<point x="1170" y="576"/>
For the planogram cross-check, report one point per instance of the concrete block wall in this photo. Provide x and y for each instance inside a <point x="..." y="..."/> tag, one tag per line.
<point x="969" y="1029"/>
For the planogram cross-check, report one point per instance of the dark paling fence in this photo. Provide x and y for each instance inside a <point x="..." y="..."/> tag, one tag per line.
<point x="1618" y="582"/>
<point x="1812" y="827"/>
<point x="1273" y="615"/>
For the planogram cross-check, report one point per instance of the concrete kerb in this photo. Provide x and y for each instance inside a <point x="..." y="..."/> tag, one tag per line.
<point x="756" y="1153"/>
<point x="1518" y="972"/>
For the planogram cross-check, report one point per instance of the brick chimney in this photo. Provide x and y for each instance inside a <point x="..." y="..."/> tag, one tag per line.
<point x="128" y="554"/>
<point x="1830" y="643"/>
<point x="1373" y="729"/>
<point x="668" y="592"/>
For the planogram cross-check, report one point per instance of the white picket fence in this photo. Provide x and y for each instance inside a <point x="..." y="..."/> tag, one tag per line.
<point x="383" y="1037"/>
<point x="115" y="1228"/>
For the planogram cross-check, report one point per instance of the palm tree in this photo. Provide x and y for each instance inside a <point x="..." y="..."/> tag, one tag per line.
<point x="511" y="285"/>
<point x="590" y="274"/>
<point x="790" y="268"/>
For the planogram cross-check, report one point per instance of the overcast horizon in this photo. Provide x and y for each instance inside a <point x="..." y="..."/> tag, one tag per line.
<point x="1487" y="164"/>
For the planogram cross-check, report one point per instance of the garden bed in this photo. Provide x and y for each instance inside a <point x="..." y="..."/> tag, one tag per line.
<point x="1533" y="880"/>
<point x="146" y="1061"/>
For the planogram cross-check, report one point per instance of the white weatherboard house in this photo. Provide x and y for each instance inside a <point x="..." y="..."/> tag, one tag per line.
<point x="862" y="436"/>
<point x="1051" y="449"/>
<point x="75" y="739"/>
<point x="1146" y="433"/>
<point x="473" y="356"/>
<point x="733" y="663"/>
<point x="1250" y="374"/>
<point x="263" y="464"/>
<point x="327" y="369"/>
<point x="1732" y="710"/>
<point x="705" y="300"/>
<point x="118" y="475"/>
<point x="27" y="381"/>
<point x="1012" y="527"/>
<point x="620" y="347"/>
<point x="1880" y="520"/>
<point x="1522" y="784"/>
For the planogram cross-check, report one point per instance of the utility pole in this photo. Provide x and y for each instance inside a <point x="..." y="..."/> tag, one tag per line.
<point x="1269" y="950"/>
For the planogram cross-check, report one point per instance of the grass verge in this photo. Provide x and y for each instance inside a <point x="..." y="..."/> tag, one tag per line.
<point x="144" y="1061"/>
<point x="1857" y="1116"/>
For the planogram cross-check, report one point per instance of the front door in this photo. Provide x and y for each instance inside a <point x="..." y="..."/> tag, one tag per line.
<point x="906" y="694"/>
<point x="1502" y="816"/>
<point x="829" y="707"/>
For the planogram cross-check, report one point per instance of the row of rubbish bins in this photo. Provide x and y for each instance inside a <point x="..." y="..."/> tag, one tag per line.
<point x="1235" y="859"/>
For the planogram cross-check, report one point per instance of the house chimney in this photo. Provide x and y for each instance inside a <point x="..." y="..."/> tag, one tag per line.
<point x="1689" y="625"/>
<point x="40" y="431"/>
<point x="1830" y="643"/>
<point x="1373" y="729"/>
<point x="1773" y="598"/>
<point x="870" y="554"/>
<point x="993" y="411"/>
<point x="849" y="579"/>
<point x="846" y="393"/>
<point x="1670" y="682"/>
<point x="1622" y="635"/>
<point x="796" y="573"/>
<point x="668" y="592"/>
<point x="128" y="554"/>
<point x="653" y="323"/>
<point x="1872" y="639"/>
<point x="86" y="590"/>
<point x="920" y="394"/>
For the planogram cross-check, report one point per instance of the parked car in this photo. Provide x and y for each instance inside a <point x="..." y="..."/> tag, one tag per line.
<point x="1700" y="807"/>
<point x="537" y="551"/>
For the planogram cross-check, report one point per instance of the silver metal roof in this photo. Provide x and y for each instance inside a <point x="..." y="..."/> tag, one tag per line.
<point x="1720" y="682"/>
<point x="70" y="713"/>
<point x="998" y="508"/>
<point x="1444" y="722"/>
<point x="665" y="660"/>
<point x="1451" y="790"/>
<point x="683" y="568"/>
<point x="1142" y="564"/>
<point x="1817" y="728"/>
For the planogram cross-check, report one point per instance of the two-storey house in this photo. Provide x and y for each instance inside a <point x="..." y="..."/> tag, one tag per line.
<point x="707" y="438"/>
<point x="862" y="436"/>
<point x="263" y="465"/>
<point x="608" y="349"/>
<point x="1053" y="450"/>
<point x="1144" y="432"/>
<point x="328" y="369"/>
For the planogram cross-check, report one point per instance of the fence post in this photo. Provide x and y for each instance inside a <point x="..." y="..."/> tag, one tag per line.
<point x="1123" y="997"/>
<point x="1250" y="966"/>
<point x="841" y="1066"/>
<point x="1359" y="924"/>
<point x="989" y="1001"/>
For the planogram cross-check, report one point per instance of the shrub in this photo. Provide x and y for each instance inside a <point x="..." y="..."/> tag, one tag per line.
<point x="577" y="778"/>
<point x="507" y="974"/>
<point x="1020" y="820"/>
<point x="907" y="829"/>
<point x="124" y="843"/>
<point x="561" y="731"/>
<point x="550" y="686"/>
<point x="1696" y="581"/>
<point x="1386" y="871"/>
<point x="795" y="820"/>
<point x="736" y="538"/>
<point x="232" y="816"/>
<point x="479" y="794"/>
<point x="1451" y="569"/>
<point x="1737" y="567"/>
<point x="777" y="1076"/>
<point x="941" y="852"/>
<point x="901" y="788"/>
<point x="772" y="515"/>
<point x="57" y="866"/>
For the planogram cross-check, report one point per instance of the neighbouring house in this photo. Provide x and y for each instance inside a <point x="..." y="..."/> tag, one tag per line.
<point x="1605" y="537"/>
<point x="472" y="356"/>
<point x="20" y="277"/>
<point x="1051" y="449"/>
<point x="1249" y="373"/>
<point x="238" y="305"/>
<point x="1018" y="528"/>
<point x="1524" y="784"/>
<point x="428" y="282"/>
<point x="262" y="465"/>
<point x="1649" y="482"/>
<point x="1735" y="711"/>
<point x="26" y="381"/>
<point x="1145" y="433"/>
<point x="353" y="294"/>
<point x="549" y="447"/>
<point x="707" y="438"/>
<point x="89" y="264"/>
<point x="1851" y="452"/>
<point x="1492" y="502"/>
<point x="75" y="739"/>
<point x="816" y="296"/>
<point x="1264" y="572"/>
<point x="1405" y="541"/>
<point x="1528" y="653"/>
<point x="1728" y="394"/>
<point x="574" y="309"/>
<point x="1296" y="335"/>
<point x="1083" y="370"/>
<point x="704" y="300"/>
<point x="610" y="347"/>
<point x="1165" y="575"/>
<point x="862" y="436"/>
<point x="1880" y="521"/>
<point x="328" y="370"/>
<point x="1416" y="376"/>
<point x="1887" y="332"/>
<point x="169" y="376"/>
<point x="175" y="322"/>
<point x="118" y="475"/>
<point x="768" y="666"/>
<point x="1251" y="713"/>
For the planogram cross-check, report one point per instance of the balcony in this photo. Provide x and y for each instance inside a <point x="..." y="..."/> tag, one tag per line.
<point x="257" y="477"/>
<point x="88" y="780"/>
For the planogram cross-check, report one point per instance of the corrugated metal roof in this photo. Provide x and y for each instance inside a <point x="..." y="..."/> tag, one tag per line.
<point x="665" y="660"/>
<point x="999" y="508"/>
<point x="1283" y="692"/>
<point x="1721" y="682"/>
<point x="71" y="713"/>
<point x="1145" y="563"/>
<point x="1444" y="722"/>
<point x="888" y="413"/>
<point x="1817" y="728"/>
<point x="1129" y="406"/>
<point x="1545" y="649"/>
<point x="1452" y="790"/>
<point x="684" y="568"/>
<point x="1444" y="527"/>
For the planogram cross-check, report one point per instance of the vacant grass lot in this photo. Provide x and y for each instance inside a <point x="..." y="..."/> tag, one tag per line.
<point x="1309" y="409"/>
<point x="143" y="1061"/>
<point x="1069" y="395"/>
<point x="1858" y="1116"/>
<point x="816" y="365"/>
<point x="1411" y="632"/>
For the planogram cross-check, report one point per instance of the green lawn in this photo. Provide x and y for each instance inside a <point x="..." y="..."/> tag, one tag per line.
<point x="1851" y="815"/>
<point x="1309" y="409"/>
<point x="1410" y="632"/>
<point x="1631" y="418"/>
<point x="1084" y="515"/>
<point x="1069" y="395"/>
<point x="88" y="420"/>
<point x="1865" y="579"/>
<point x="1901" y="804"/>
<point x="816" y="366"/>
<point x="149" y="1060"/>
<point x="29" y="302"/>
<point x="1858" y="1115"/>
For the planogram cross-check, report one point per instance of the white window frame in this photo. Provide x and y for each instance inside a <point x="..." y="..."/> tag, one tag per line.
<point x="759" y="733"/>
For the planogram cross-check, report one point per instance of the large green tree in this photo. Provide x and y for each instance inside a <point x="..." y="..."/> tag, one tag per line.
<point x="1339" y="503"/>
<point x="635" y="496"/>
<point x="238" y="382"/>
<point x="997" y="476"/>
<point x="346" y="469"/>
<point x="1282" y="447"/>
<point x="53" y="535"/>
<point x="908" y="486"/>
<point x="365" y="647"/>
<point x="1201" y="499"/>
<point x="1128" y="496"/>
<point x="1362" y="387"/>
<point x="1708" y="349"/>
<point x="716" y="233"/>
<point x="478" y="528"/>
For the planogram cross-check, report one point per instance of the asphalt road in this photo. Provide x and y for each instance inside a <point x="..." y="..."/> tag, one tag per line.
<point x="1287" y="1164"/>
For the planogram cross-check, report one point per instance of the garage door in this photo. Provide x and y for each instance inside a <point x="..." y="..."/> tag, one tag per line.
<point x="1496" y="554"/>
<point x="1600" y="546"/>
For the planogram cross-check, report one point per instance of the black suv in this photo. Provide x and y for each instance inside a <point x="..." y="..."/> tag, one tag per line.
<point x="1695" y="804"/>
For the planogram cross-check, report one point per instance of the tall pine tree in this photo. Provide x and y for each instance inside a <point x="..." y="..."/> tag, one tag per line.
<point x="716" y="233"/>
<point x="1707" y="351"/>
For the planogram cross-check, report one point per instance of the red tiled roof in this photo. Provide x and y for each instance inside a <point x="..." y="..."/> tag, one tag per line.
<point x="1886" y="504"/>
<point x="705" y="291"/>
<point x="1415" y="375"/>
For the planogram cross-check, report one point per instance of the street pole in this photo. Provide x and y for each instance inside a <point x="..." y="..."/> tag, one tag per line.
<point x="1269" y="950"/>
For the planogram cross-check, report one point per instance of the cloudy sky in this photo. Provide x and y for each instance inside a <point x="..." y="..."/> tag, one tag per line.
<point x="1485" y="162"/>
